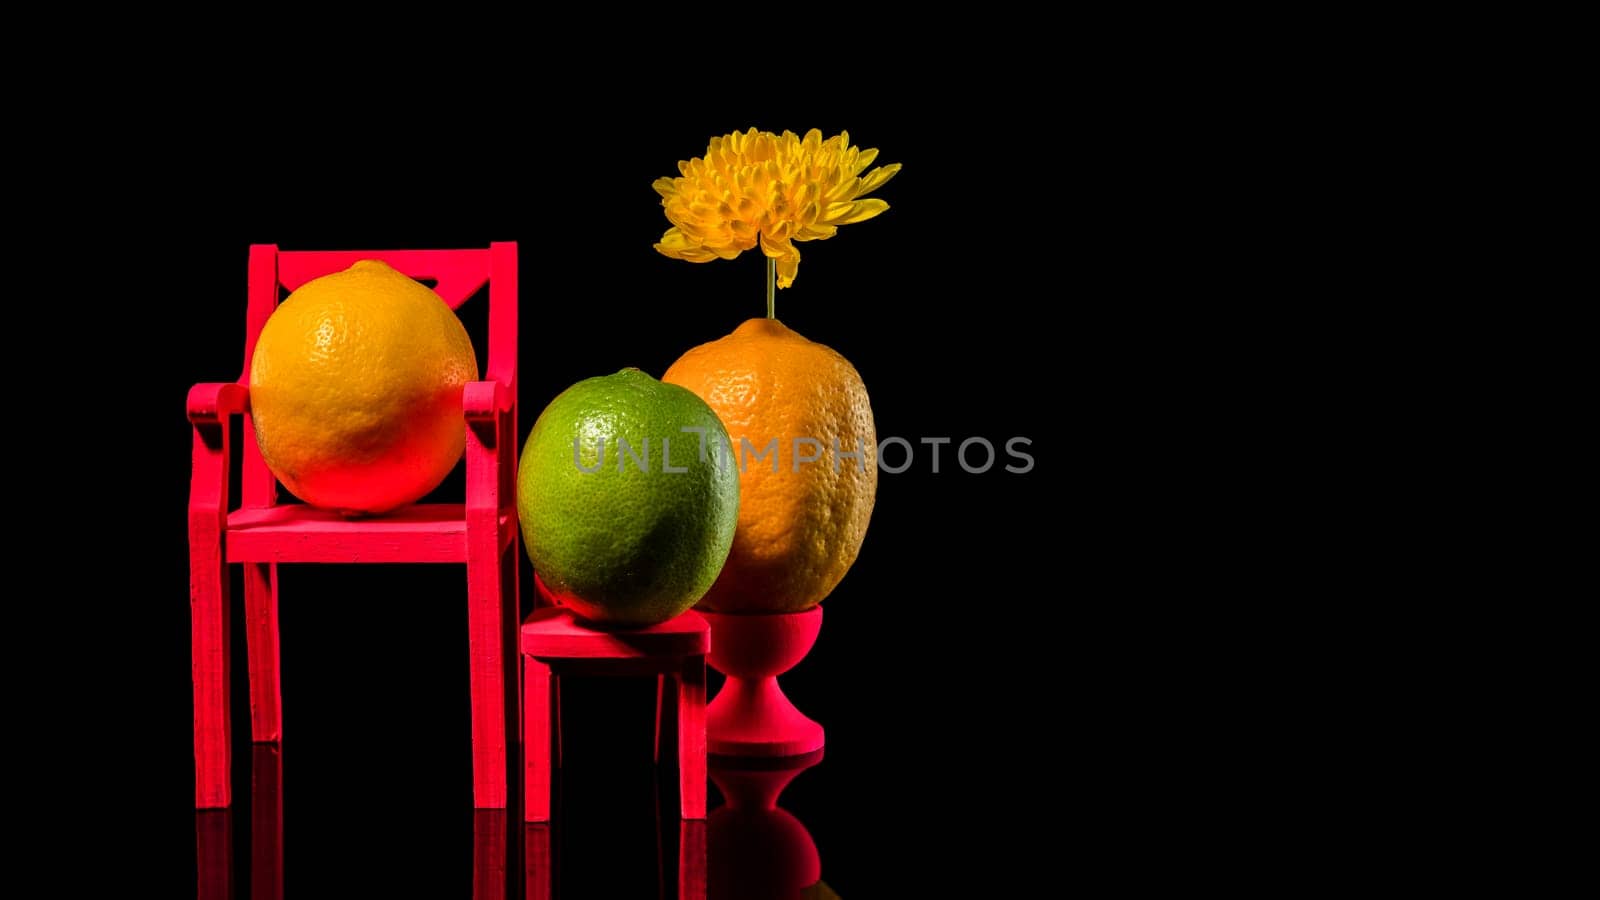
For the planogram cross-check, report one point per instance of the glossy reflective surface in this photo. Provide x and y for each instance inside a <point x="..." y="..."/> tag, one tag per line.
<point x="750" y="847"/>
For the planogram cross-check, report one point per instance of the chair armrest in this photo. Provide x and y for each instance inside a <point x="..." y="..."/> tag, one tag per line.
<point x="485" y="401"/>
<point x="210" y="405"/>
<point x="214" y="402"/>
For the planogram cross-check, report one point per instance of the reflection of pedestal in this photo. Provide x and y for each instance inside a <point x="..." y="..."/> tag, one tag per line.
<point x="757" y="849"/>
<point x="750" y="715"/>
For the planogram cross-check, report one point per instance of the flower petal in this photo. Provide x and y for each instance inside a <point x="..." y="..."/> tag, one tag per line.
<point x="876" y="178"/>
<point x="788" y="267"/>
<point x="816" y="233"/>
<point x="860" y="211"/>
<point x="673" y="239"/>
<point x="674" y="244"/>
<point x="776" y="247"/>
<point x="846" y="190"/>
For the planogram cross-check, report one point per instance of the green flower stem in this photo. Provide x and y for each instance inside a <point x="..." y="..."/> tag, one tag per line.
<point x="772" y="287"/>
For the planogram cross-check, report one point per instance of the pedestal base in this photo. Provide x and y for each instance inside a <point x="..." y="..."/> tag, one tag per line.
<point x="752" y="717"/>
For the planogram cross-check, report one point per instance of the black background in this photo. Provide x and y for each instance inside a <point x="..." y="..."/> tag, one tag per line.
<point x="949" y="672"/>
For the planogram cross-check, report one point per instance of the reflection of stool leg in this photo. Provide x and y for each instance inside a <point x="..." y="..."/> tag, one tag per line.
<point x="539" y="877"/>
<point x="692" y="737"/>
<point x="538" y="718"/>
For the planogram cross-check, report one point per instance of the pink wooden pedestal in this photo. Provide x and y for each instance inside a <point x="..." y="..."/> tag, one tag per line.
<point x="750" y="715"/>
<point x="554" y="643"/>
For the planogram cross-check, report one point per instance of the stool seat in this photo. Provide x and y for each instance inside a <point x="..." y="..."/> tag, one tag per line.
<point x="554" y="633"/>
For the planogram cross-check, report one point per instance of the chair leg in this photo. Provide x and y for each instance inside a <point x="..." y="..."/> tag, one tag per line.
<point x="485" y="639"/>
<point x="692" y="738"/>
<point x="538" y="718"/>
<point x="261" y="631"/>
<point x="511" y="645"/>
<point x="208" y="623"/>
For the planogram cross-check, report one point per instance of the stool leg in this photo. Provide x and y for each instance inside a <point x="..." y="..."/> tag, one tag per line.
<point x="538" y="717"/>
<point x="261" y="632"/>
<point x="661" y="695"/>
<point x="692" y="737"/>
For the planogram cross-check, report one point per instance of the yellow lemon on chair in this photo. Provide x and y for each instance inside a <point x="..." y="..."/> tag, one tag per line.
<point x="355" y="390"/>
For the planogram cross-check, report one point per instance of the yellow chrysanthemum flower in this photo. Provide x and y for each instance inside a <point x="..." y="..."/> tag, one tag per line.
<point x="759" y="187"/>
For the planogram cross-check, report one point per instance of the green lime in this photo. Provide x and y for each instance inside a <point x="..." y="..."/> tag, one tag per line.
<point x="628" y="498"/>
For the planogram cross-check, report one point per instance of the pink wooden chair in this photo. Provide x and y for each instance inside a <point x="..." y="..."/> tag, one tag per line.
<point x="261" y="533"/>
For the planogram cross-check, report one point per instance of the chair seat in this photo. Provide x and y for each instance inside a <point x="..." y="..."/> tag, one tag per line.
<point x="554" y="633"/>
<point x="427" y="532"/>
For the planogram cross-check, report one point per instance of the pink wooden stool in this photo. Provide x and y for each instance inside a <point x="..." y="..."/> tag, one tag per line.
<point x="554" y="642"/>
<point x="262" y="533"/>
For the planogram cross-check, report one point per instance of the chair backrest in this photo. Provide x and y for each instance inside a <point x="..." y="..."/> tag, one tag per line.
<point x="458" y="275"/>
